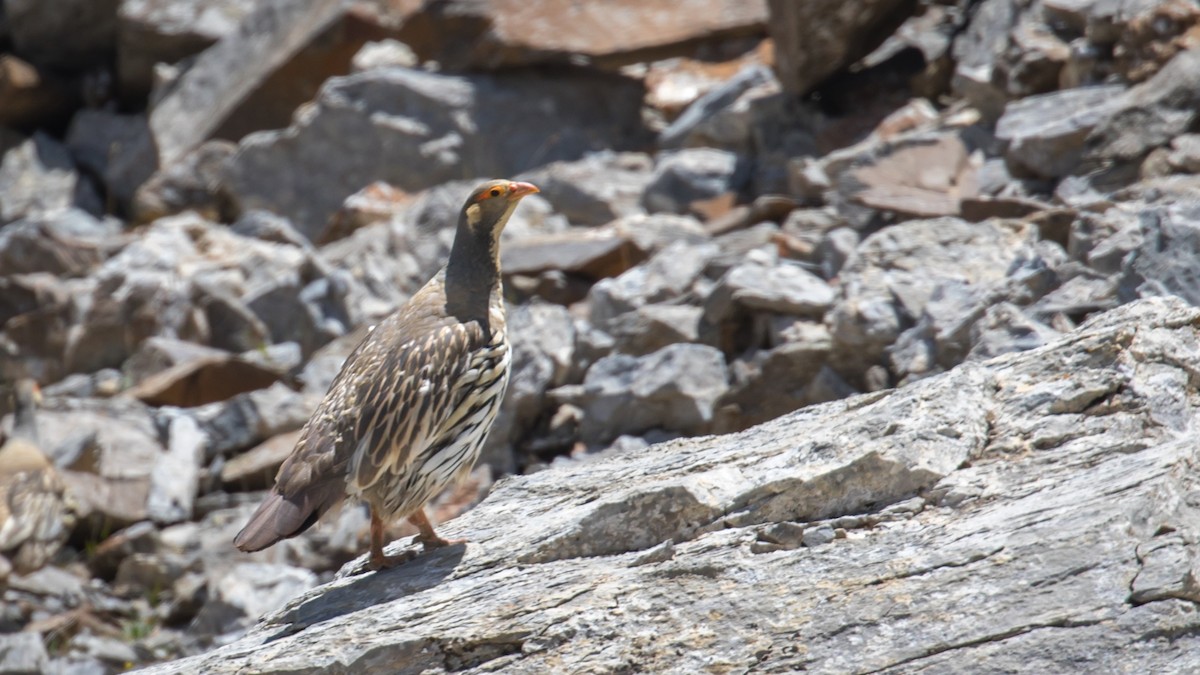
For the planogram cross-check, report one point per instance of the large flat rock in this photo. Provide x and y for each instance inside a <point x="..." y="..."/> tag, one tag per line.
<point x="1031" y="512"/>
<point x="416" y="129"/>
<point x="471" y="35"/>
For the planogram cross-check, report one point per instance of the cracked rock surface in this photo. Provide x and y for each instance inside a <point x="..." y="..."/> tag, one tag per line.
<point x="1036" y="512"/>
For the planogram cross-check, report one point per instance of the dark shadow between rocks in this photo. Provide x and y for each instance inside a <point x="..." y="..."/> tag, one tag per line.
<point x="369" y="589"/>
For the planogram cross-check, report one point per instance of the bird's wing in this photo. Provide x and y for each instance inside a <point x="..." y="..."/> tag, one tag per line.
<point x="389" y="402"/>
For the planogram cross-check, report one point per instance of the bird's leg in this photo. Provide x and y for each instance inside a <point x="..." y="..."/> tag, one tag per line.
<point x="428" y="538"/>
<point x="378" y="559"/>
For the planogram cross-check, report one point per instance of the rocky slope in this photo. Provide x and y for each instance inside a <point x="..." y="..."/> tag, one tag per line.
<point x="748" y="209"/>
<point x="1037" y="511"/>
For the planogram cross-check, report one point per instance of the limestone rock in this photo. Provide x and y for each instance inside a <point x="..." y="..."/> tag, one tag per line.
<point x="684" y="177"/>
<point x="38" y="177"/>
<point x="674" y="388"/>
<point x="889" y="282"/>
<point x="255" y="77"/>
<point x="1046" y="134"/>
<point x="1016" y="459"/>
<point x="458" y="126"/>
<point x="597" y="189"/>
<point x="156" y="31"/>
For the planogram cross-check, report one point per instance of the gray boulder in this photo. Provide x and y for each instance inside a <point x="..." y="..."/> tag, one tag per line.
<point x="674" y="388"/>
<point x="1046" y="134"/>
<point x="1151" y="114"/>
<point x="38" y="177"/>
<point x="973" y="520"/>
<point x="444" y="127"/>
<point x="597" y="189"/>
<point x="683" y="177"/>
<point x="887" y="285"/>
<point x="782" y="289"/>
<point x="666" y="276"/>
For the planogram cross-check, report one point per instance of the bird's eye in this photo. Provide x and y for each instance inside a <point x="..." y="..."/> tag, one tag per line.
<point x="495" y="192"/>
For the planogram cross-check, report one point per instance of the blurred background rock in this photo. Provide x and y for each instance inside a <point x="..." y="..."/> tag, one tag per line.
<point x="747" y="207"/>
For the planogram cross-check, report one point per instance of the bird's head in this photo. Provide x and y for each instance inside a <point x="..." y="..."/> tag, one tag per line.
<point x="487" y="209"/>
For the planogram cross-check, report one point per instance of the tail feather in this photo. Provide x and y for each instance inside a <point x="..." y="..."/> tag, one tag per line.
<point x="280" y="517"/>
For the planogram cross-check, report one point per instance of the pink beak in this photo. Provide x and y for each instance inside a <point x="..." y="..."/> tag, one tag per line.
<point x="517" y="189"/>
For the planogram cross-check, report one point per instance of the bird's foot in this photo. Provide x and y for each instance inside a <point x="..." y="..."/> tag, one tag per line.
<point x="436" y="542"/>
<point x="383" y="562"/>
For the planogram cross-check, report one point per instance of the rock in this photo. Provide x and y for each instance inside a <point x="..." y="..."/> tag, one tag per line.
<point x="722" y="118"/>
<point x="1161" y="263"/>
<point x="37" y="31"/>
<point x="22" y="654"/>
<point x="175" y="478"/>
<point x="593" y="254"/>
<point x="1006" y="53"/>
<point x="107" y="144"/>
<point x="114" y="438"/>
<point x="107" y="556"/>
<point x="1004" y="328"/>
<point x="68" y="243"/>
<point x="247" y="591"/>
<point x="683" y="177"/>
<point x="143" y="573"/>
<point x="1185" y="153"/>
<point x="758" y="243"/>
<point x="888" y="283"/>
<point x="666" y="276"/>
<point x="254" y="78"/>
<point x="774" y="382"/>
<point x="250" y="418"/>
<point x="812" y="44"/>
<point x="150" y="32"/>
<point x="255" y="468"/>
<point x="323" y="366"/>
<point x="1098" y="411"/>
<point x="1045" y="134"/>
<point x="1149" y="115"/>
<point x="32" y="97"/>
<point x="650" y="328"/>
<point x="108" y="649"/>
<point x="463" y="36"/>
<point x="674" y="388"/>
<point x="835" y="249"/>
<point x="191" y="183"/>
<point x="919" y="178"/>
<point x="376" y="203"/>
<point x="105" y="503"/>
<point x="38" y="178"/>
<point x="450" y="127"/>
<point x="674" y="84"/>
<point x="170" y="372"/>
<point x="597" y="189"/>
<point x="783" y="289"/>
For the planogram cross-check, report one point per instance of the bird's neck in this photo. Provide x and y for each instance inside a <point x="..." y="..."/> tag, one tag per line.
<point x="472" y="273"/>
<point x="25" y="422"/>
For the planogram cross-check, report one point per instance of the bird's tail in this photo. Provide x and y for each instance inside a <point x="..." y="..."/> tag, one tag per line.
<point x="280" y="517"/>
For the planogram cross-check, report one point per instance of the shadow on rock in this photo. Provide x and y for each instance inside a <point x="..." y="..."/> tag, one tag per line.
<point x="369" y="589"/>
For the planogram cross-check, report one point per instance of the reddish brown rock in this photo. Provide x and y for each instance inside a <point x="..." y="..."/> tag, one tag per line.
<point x="460" y="34"/>
<point x="813" y="40"/>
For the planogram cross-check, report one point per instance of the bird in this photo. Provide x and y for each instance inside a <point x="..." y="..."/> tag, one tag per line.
<point x="35" y="516"/>
<point x="410" y="408"/>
